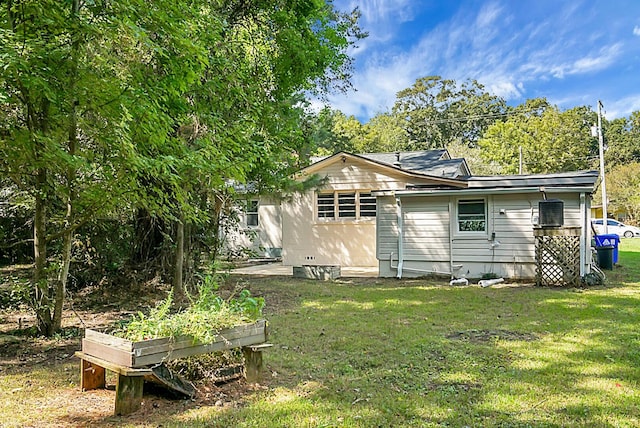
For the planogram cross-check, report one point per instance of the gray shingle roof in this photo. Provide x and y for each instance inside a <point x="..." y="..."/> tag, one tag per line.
<point x="564" y="179"/>
<point x="431" y="162"/>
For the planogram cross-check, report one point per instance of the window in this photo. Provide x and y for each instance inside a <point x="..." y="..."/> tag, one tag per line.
<point x="346" y="205"/>
<point x="367" y="205"/>
<point x="252" y="213"/>
<point x="472" y="216"/>
<point x="326" y="205"/>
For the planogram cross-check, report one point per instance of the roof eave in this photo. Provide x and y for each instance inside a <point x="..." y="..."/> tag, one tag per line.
<point x="480" y="191"/>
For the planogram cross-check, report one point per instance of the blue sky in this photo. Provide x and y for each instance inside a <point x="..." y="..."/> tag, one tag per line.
<point x="571" y="52"/>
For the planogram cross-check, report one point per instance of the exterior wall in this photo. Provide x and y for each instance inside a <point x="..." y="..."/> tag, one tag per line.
<point x="264" y="240"/>
<point x="505" y="249"/>
<point x="309" y="240"/>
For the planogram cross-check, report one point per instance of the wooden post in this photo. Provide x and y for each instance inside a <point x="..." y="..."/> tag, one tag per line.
<point x="252" y="364"/>
<point x="91" y="376"/>
<point x="128" y="394"/>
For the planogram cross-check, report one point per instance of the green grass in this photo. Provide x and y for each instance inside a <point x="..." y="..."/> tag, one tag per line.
<point x="411" y="353"/>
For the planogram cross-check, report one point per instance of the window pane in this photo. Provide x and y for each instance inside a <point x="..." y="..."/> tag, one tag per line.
<point x="346" y="205"/>
<point x="325" y="205"/>
<point x="471" y="216"/>
<point x="471" y="207"/>
<point x="367" y="205"/>
<point x="252" y="213"/>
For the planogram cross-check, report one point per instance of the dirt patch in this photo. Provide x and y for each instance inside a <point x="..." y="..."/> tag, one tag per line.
<point x="483" y="336"/>
<point x="22" y="353"/>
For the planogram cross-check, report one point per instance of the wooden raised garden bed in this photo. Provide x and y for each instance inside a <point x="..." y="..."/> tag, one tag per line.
<point x="135" y="361"/>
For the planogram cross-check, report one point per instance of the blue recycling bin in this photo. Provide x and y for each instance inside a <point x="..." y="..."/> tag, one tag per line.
<point x="608" y="240"/>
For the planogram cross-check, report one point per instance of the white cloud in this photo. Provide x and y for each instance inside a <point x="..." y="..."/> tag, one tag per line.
<point x="377" y="11"/>
<point x="505" y="47"/>
<point x="636" y="30"/>
<point x="606" y="57"/>
<point x="622" y="107"/>
<point x="505" y="89"/>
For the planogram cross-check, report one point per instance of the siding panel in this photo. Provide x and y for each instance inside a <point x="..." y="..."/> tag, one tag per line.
<point x="426" y="230"/>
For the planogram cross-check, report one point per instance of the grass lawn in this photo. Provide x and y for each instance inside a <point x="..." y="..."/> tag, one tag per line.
<point x="381" y="353"/>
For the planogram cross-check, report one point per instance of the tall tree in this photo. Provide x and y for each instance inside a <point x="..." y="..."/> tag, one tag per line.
<point x="623" y="190"/>
<point x="61" y="130"/>
<point x="438" y="111"/>
<point x="148" y="104"/>
<point x="550" y="140"/>
<point x="622" y="137"/>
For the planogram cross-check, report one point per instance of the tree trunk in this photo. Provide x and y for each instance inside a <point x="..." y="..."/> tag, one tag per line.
<point x="61" y="283"/>
<point x="63" y="274"/>
<point x="218" y="207"/>
<point x="42" y="298"/>
<point x="178" y="284"/>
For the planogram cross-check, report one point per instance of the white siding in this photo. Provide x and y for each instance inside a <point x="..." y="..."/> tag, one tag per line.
<point x="387" y="227"/>
<point x="264" y="240"/>
<point x="426" y="236"/>
<point x="426" y="230"/>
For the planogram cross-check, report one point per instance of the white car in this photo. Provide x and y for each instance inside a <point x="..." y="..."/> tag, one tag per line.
<point x="615" y="227"/>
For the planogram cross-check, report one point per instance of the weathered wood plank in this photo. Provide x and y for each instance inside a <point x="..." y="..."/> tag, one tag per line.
<point x="166" y="344"/>
<point x="107" y="353"/>
<point x="116" y="368"/>
<point x="108" y="339"/>
<point x="128" y="394"/>
<point x="198" y="349"/>
<point x="154" y="351"/>
<point x="92" y="376"/>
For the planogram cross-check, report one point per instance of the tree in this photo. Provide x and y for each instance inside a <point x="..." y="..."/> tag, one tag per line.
<point x="551" y="140"/>
<point x="148" y="105"/>
<point x="623" y="190"/>
<point x="438" y="111"/>
<point x="385" y="132"/>
<point x="622" y="137"/>
<point x="56" y="94"/>
<point x="332" y="131"/>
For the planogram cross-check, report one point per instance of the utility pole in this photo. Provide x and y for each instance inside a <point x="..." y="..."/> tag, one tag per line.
<point x="603" y="184"/>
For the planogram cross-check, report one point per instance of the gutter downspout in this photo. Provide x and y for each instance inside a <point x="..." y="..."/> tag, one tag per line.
<point x="585" y="263"/>
<point x="400" y="235"/>
<point x="451" y="233"/>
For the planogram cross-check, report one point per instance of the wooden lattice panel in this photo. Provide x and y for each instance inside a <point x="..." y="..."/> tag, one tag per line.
<point x="557" y="257"/>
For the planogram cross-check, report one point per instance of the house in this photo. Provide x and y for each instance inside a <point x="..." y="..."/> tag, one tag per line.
<point x="417" y="213"/>
<point x="484" y="226"/>
<point x="336" y="224"/>
<point x="258" y="230"/>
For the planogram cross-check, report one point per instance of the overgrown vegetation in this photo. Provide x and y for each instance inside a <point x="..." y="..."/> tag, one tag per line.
<point x="205" y="316"/>
<point x="102" y="118"/>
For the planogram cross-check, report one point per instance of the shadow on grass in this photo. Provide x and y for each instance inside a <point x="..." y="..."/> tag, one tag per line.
<point x="388" y="356"/>
<point x="416" y="353"/>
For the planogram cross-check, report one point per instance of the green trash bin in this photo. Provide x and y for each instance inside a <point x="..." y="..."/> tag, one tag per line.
<point x="605" y="257"/>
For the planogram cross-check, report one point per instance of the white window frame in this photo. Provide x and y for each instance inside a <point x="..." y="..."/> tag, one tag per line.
<point x="341" y="199"/>
<point x="252" y="210"/>
<point x="470" y="200"/>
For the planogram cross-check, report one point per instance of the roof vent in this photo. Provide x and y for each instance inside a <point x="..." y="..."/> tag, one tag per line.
<point x="397" y="162"/>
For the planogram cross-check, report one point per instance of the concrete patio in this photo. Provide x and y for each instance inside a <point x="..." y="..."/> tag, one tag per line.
<point x="280" y="269"/>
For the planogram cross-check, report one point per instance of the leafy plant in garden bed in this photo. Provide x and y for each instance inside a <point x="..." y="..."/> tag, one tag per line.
<point x="207" y="314"/>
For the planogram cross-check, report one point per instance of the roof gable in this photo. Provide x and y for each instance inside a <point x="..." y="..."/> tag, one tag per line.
<point x="438" y="167"/>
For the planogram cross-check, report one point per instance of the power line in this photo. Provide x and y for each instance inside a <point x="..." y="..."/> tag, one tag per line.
<point x="476" y="117"/>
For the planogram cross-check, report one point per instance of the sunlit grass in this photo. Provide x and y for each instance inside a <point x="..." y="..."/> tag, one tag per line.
<point x="420" y="353"/>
